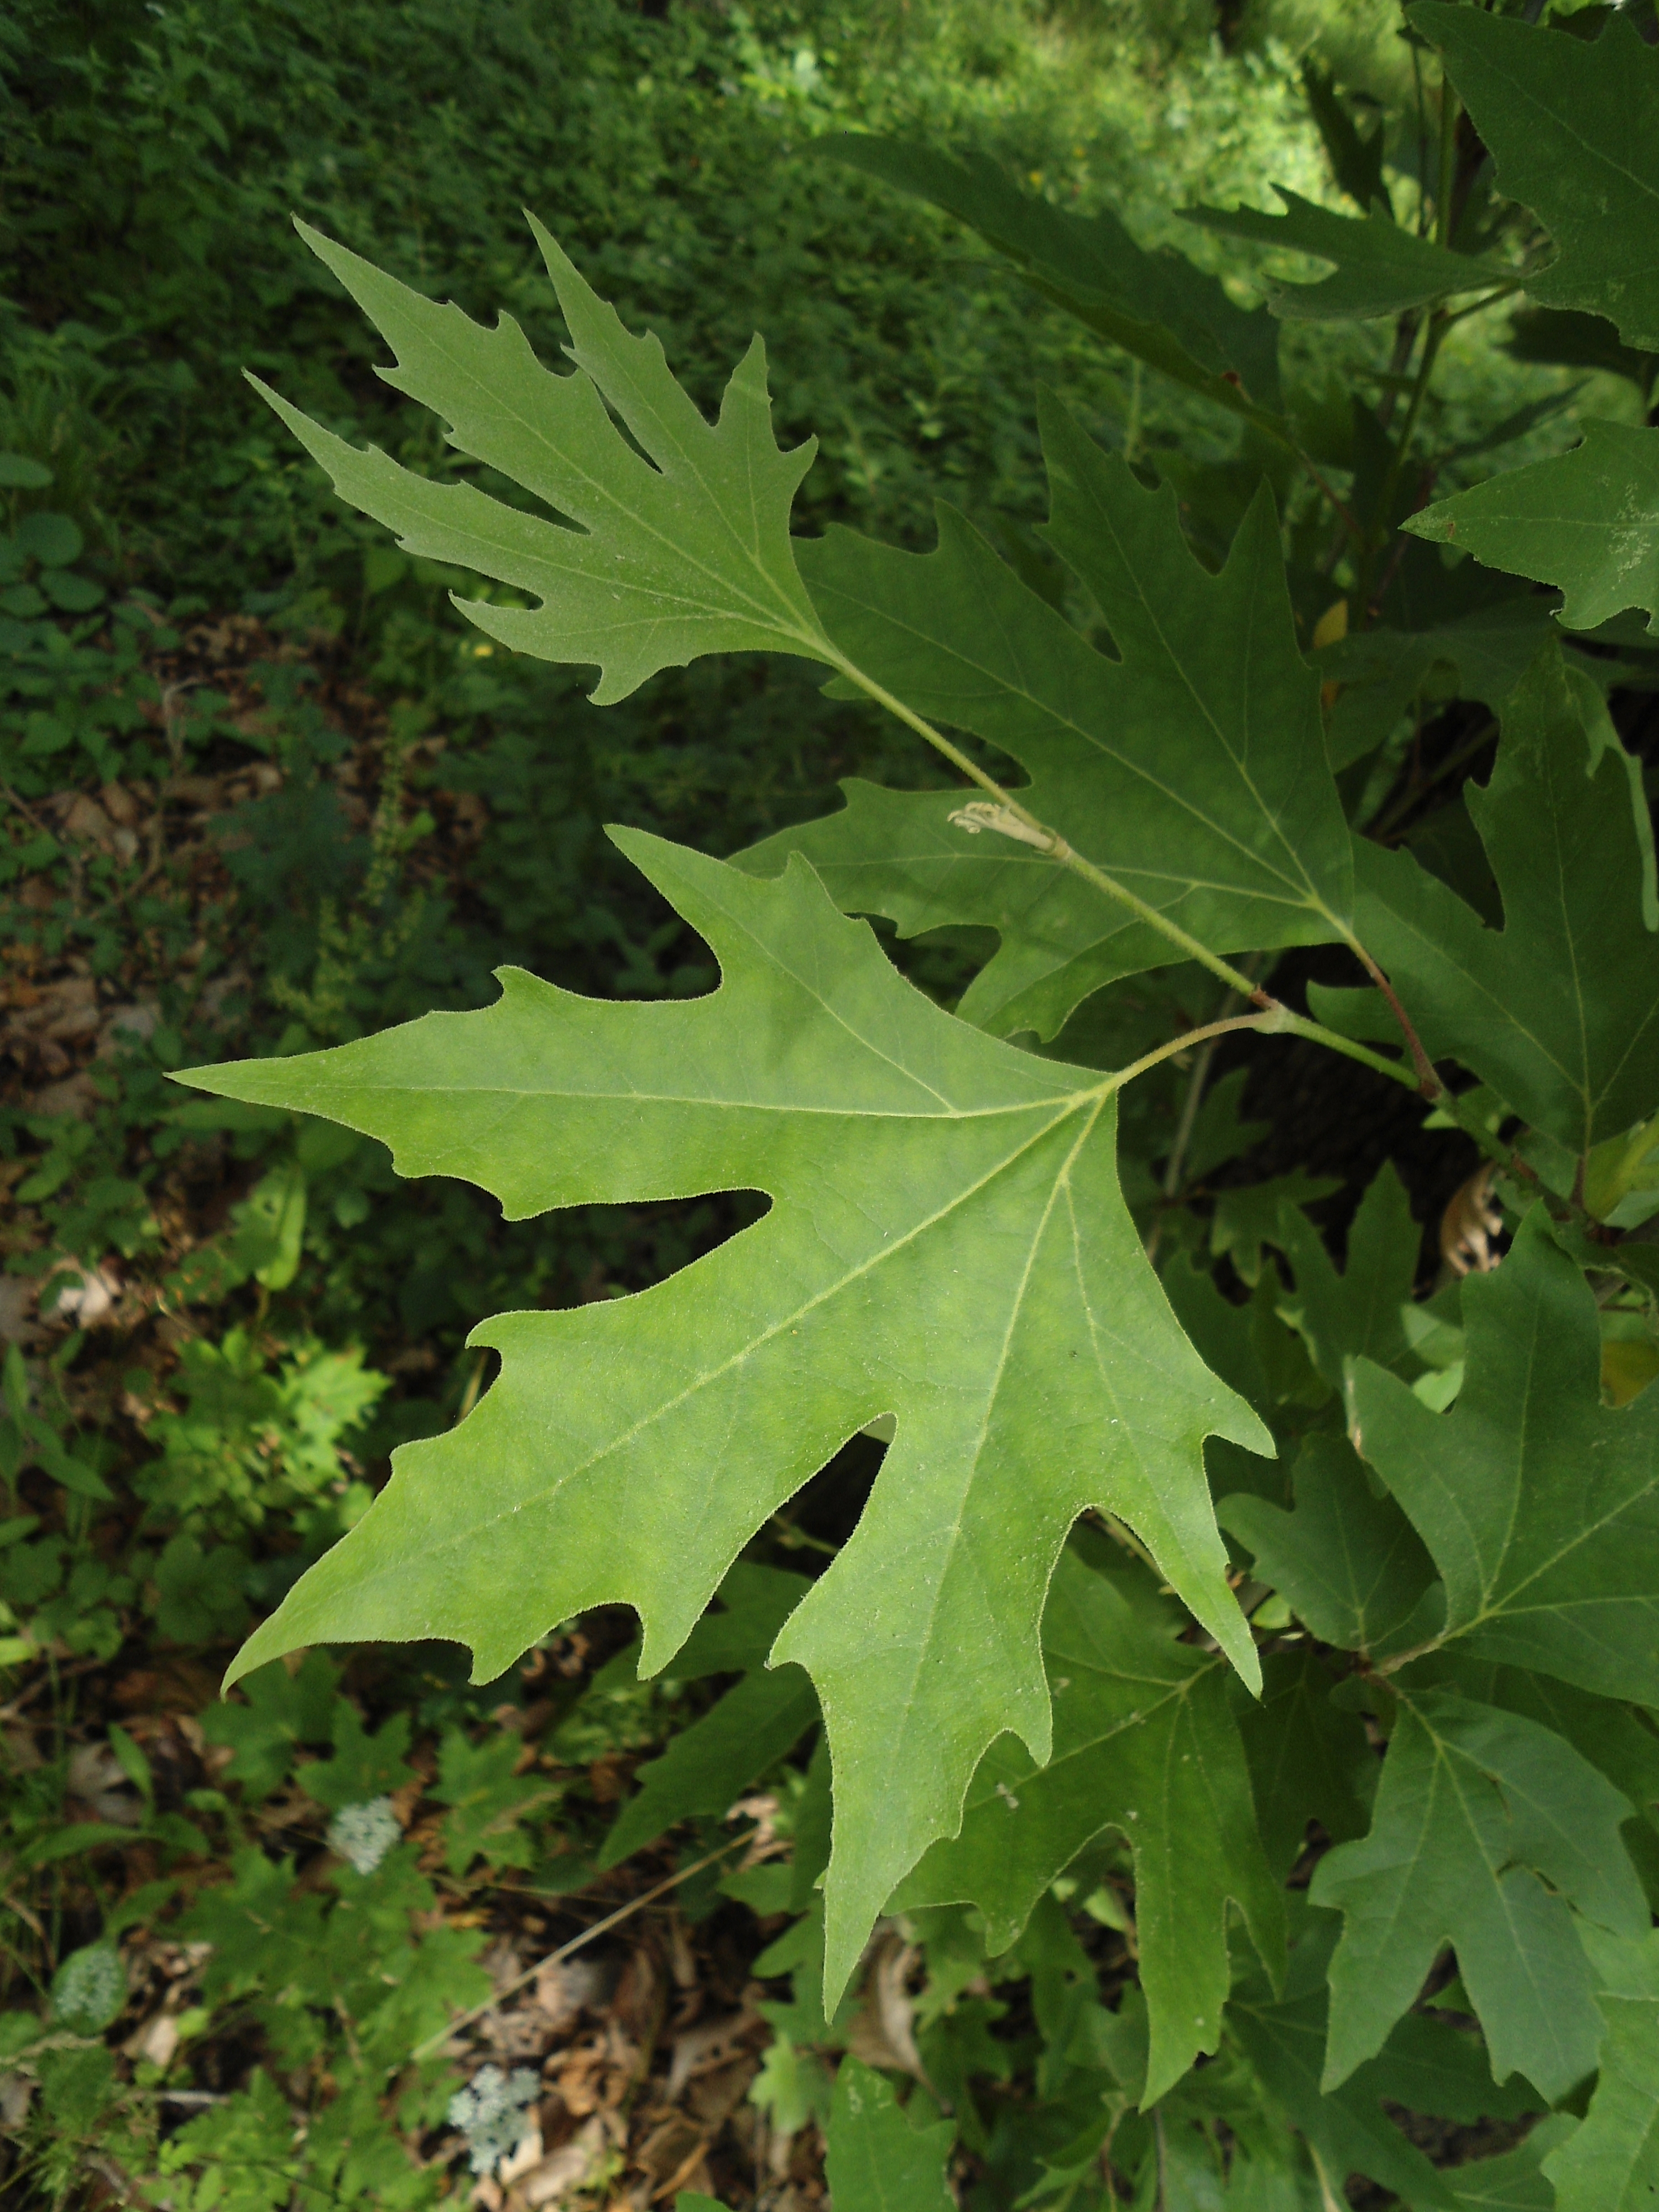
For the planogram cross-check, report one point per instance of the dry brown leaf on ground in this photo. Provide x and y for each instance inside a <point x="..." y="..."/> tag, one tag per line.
<point x="699" y="2050"/>
<point x="881" y="2032"/>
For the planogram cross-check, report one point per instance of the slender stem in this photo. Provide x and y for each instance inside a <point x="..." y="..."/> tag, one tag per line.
<point x="1184" y="1126"/>
<point x="1443" y="207"/>
<point x="1269" y="1022"/>
<point x="1382" y="522"/>
<point x="1344" y="513"/>
<point x="1046" y="840"/>
<point x="1397" y="1071"/>
<point x="1272" y="1018"/>
<point x="1427" y="1081"/>
<point x="1437" y="331"/>
<point x="1391" y="816"/>
<point x="1422" y="143"/>
<point x="1503" y="291"/>
<point x="1183" y="1133"/>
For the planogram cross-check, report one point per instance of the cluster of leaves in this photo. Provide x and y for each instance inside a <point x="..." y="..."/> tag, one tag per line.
<point x="1416" y="1677"/>
<point x="1044" y="1971"/>
<point x="189" y="1413"/>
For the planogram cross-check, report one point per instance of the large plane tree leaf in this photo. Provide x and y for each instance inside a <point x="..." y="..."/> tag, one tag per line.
<point x="1612" y="2163"/>
<point x="1587" y="521"/>
<point x="1379" y="269"/>
<point x="685" y="552"/>
<point x="1146" y="1742"/>
<point x="1559" y="1010"/>
<point x="1539" y="1504"/>
<point x="1486" y="1828"/>
<point x="1569" y="123"/>
<point x="1155" y="304"/>
<point x="947" y="1245"/>
<point x="1210" y="797"/>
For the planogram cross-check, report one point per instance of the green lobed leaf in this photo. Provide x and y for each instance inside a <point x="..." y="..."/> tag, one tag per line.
<point x="1349" y="1564"/>
<point x="1612" y="2163"/>
<point x="1378" y="268"/>
<point x="488" y="1800"/>
<point x="1155" y="304"/>
<point x="1475" y="1805"/>
<point x="1255" y="1350"/>
<point x="1341" y="1316"/>
<point x="1587" y="521"/>
<point x="1559" y="1012"/>
<point x="1427" y="2066"/>
<point x="947" y="1244"/>
<point x="1246" y="1216"/>
<point x="282" y="1711"/>
<point x="1541" y="1505"/>
<point x="1569" y="123"/>
<point x="364" y="1765"/>
<point x="1616" y="1738"/>
<point x="1309" y="1760"/>
<point x="682" y="545"/>
<point x="1147" y="1743"/>
<point x="1210" y="798"/>
<point x="1481" y="655"/>
<point x="879" y="2160"/>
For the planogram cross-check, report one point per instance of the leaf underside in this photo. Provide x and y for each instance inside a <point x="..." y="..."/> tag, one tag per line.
<point x="947" y="1244"/>
<point x="1379" y="268"/>
<point x="681" y="553"/>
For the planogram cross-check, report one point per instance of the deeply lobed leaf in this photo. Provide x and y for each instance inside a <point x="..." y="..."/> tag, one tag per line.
<point x="1569" y="122"/>
<point x="682" y="545"/>
<point x="1474" y="1807"/>
<point x="1349" y="1564"/>
<point x="1209" y="798"/>
<point x="947" y="1245"/>
<point x="1146" y="1742"/>
<point x="1379" y="268"/>
<point x="1540" y="1505"/>
<point x="1559" y="1012"/>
